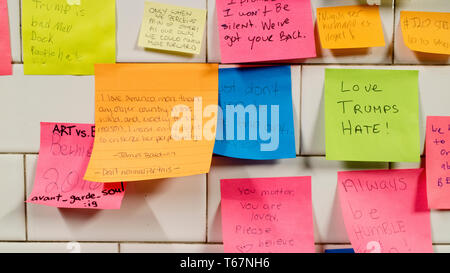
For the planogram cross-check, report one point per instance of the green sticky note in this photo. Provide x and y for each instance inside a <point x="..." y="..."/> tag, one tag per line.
<point x="372" y="115"/>
<point x="68" y="36"/>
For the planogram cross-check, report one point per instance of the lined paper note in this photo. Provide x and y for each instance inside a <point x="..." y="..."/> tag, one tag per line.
<point x="63" y="37"/>
<point x="5" y="44"/>
<point x="372" y="115"/>
<point x="385" y="211"/>
<point x="63" y="157"/>
<point x="153" y="121"/>
<point x="267" y="215"/>
<point x="438" y="162"/>
<point x="350" y="27"/>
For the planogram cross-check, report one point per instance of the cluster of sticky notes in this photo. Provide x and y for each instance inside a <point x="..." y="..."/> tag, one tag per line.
<point x="5" y="45"/>
<point x="256" y="117"/>
<point x="64" y="154"/>
<point x="68" y="37"/>
<point x="385" y="211"/>
<point x="267" y="215"/>
<point x="172" y="28"/>
<point x="426" y="31"/>
<point x="372" y="115"/>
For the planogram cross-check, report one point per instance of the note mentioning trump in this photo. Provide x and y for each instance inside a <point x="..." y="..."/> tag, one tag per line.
<point x="438" y="162"/>
<point x="372" y="115"/>
<point x="253" y="31"/>
<point x="267" y="215"/>
<point x="63" y="157"/>
<point x="385" y="211"/>
<point x="5" y="45"/>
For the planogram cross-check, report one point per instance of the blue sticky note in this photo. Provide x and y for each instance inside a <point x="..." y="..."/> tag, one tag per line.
<point x="344" y="250"/>
<point x="255" y="116"/>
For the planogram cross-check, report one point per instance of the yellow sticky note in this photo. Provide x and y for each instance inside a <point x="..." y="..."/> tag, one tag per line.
<point x="426" y="31"/>
<point x="172" y="28"/>
<point x="350" y="27"/>
<point x="68" y="36"/>
<point x="153" y="121"/>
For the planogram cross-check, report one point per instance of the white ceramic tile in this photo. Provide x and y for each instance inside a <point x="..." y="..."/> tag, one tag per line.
<point x="404" y="55"/>
<point x="371" y="55"/>
<point x="129" y="20"/>
<point x="69" y="247"/>
<point x="14" y="30"/>
<point x="171" y="248"/>
<point x="434" y="95"/>
<point x="441" y="248"/>
<point x="328" y="222"/>
<point x="154" y="211"/>
<point x="12" y="208"/>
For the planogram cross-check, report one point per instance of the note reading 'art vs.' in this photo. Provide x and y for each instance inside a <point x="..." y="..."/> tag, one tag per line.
<point x="263" y="215"/>
<point x="372" y="115"/>
<point x="153" y="121"/>
<point x="5" y="45"/>
<point x="253" y="31"/>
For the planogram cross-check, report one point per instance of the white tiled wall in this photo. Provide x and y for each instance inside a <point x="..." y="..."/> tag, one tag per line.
<point x="183" y="214"/>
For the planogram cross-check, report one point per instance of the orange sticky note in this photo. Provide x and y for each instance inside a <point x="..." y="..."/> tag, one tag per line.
<point x="153" y="121"/>
<point x="385" y="211"/>
<point x="438" y="162"/>
<point x="426" y="31"/>
<point x="350" y="27"/>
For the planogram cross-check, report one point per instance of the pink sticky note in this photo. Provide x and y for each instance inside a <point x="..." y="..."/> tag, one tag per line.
<point x="5" y="45"/>
<point x="438" y="162"/>
<point x="263" y="215"/>
<point x="63" y="158"/>
<point x="254" y="31"/>
<point x="385" y="211"/>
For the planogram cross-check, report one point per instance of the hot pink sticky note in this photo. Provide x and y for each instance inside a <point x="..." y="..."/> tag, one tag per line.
<point x="438" y="162"/>
<point x="254" y="31"/>
<point x="264" y="215"/>
<point x="385" y="211"/>
<point x="63" y="158"/>
<point x="5" y="45"/>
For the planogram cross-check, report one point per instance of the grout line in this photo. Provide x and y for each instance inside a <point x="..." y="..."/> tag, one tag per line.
<point x="25" y="206"/>
<point x="207" y="206"/>
<point x="206" y="33"/>
<point x="393" y="33"/>
<point x="118" y="247"/>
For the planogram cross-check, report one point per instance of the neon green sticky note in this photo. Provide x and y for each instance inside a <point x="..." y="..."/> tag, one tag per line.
<point x="67" y="36"/>
<point x="172" y="28"/>
<point x="372" y="115"/>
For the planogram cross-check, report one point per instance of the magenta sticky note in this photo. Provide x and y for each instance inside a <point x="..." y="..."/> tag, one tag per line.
<point x="255" y="31"/>
<point x="5" y="44"/>
<point x="267" y="215"/>
<point x="385" y="211"/>
<point x="63" y="158"/>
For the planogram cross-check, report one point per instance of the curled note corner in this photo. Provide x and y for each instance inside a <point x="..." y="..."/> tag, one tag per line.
<point x="374" y="2"/>
<point x="74" y="2"/>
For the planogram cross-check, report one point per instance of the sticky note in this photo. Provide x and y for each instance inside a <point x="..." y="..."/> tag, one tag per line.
<point x="267" y="215"/>
<point x="68" y="38"/>
<point x="256" y="120"/>
<point x="153" y="121"/>
<point x="350" y="27"/>
<point x="372" y="115"/>
<point x="5" y="44"/>
<point x="63" y="157"/>
<point x="426" y="31"/>
<point x="385" y="211"/>
<point x="172" y="28"/>
<point x="254" y="31"/>
<point x="438" y="162"/>
<point x="343" y="250"/>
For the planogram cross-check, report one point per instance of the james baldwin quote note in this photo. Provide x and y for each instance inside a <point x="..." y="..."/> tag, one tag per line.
<point x="63" y="157"/>
<point x="426" y="31"/>
<point x="172" y="28"/>
<point x="350" y="27"/>
<point x="372" y="115"/>
<point x="253" y="31"/>
<point x="5" y="45"/>
<point x="257" y="119"/>
<point x="438" y="162"/>
<point x="68" y="37"/>
<point x="153" y="121"/>
<point x="267" y="215"/>
<point x="385" y="211"/>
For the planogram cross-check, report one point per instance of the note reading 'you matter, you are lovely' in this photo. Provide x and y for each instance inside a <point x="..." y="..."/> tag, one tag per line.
<point x="63" y="157"/>
<point x="153" y="121"/>
<point x="264" y="215"/>
<point x="5" y="45"/>
<point x="372" y="115"/>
